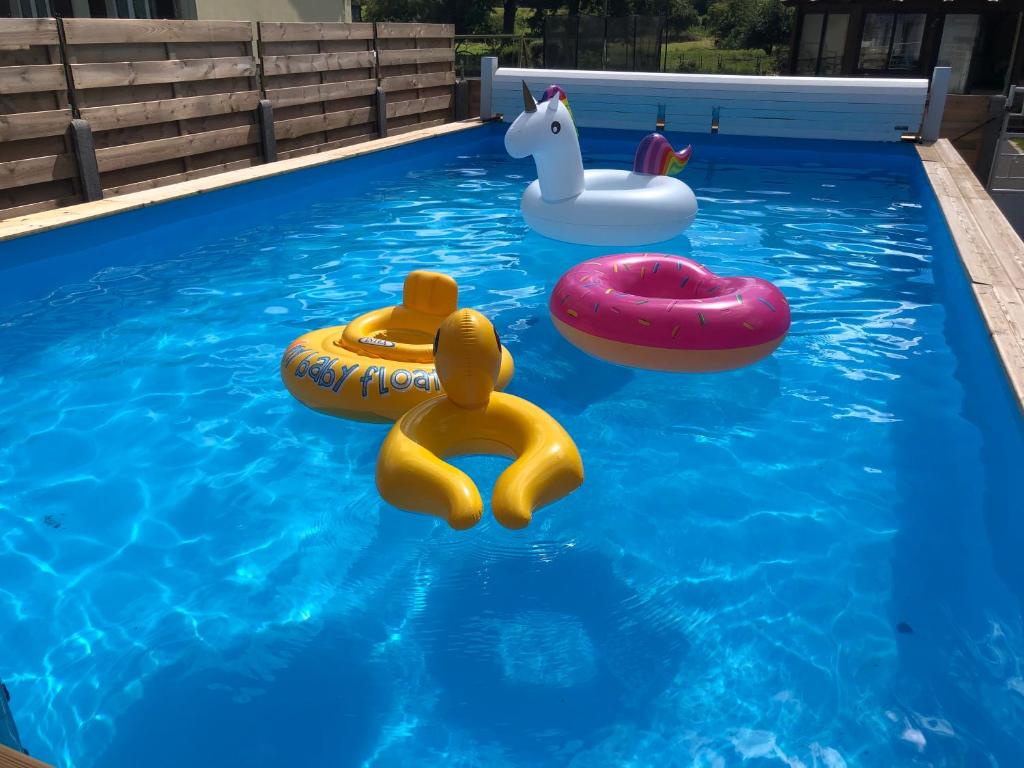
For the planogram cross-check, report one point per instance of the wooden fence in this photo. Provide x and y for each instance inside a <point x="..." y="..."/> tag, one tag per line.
<point x="417" y="71"/>
<point x="101" y="107"/>
<point x="166" y="100"/>
<point x="321" y="81"/>
<point x="37" y="169"/>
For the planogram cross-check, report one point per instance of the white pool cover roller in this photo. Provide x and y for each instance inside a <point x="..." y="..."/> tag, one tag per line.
<point x="596" y="207"/>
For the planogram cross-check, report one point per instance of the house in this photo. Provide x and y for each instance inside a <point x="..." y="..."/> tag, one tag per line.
<point x="978" y="39"/>
<point x="240" y="10"/>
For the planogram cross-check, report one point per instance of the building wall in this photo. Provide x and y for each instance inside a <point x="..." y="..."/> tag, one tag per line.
<point x="275" y="10"/>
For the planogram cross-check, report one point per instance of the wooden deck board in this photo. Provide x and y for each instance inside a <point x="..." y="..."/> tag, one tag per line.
<point x="991" y="251"/>
<point x="11" y="759"/>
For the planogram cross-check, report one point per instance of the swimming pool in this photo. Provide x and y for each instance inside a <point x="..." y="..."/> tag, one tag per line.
<point x="813" y="561"/>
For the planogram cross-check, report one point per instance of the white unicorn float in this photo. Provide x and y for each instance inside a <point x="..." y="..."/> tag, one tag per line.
<point x="601" y="206"/>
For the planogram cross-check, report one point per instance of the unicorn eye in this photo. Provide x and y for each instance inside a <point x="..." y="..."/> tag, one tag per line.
<point x="556" y="127"/>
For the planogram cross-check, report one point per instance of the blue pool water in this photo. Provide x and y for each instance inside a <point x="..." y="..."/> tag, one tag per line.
<point x="811" y="562"/>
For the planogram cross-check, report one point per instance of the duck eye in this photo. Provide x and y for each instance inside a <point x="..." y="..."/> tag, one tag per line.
<point x="437" y="338"/>
<point x="497" y="340"/>
<point x="556" y="127"/>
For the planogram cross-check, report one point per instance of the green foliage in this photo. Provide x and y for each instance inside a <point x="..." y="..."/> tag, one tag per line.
<point x="469" y="16"/>
<point x="760" y="24"/>
<point x="681" y="15"/>
<point x="702" y="56"/>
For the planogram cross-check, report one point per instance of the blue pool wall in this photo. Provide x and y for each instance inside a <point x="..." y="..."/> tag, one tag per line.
<point x="34" y="265"/>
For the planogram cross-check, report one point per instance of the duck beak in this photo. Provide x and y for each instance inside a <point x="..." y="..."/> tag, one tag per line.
<point x="529" y="105"/>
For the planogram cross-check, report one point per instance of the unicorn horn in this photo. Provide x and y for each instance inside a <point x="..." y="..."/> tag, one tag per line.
<point x="528" y="103"/>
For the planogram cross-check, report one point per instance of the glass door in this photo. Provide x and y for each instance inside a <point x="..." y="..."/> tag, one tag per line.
<point x="959" y="33"/>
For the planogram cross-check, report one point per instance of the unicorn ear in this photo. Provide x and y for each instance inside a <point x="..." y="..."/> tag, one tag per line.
<point x="553" y="103"/>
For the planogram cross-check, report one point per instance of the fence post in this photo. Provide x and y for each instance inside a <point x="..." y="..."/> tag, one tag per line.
<point x="488" y="66"/>
<point x="382" y="113"/>
<point x="85" y="159"/>
<point x="936" y="104"/>
<point x="265" y="120"/>
<point x="988" y="150"/>
<point x="461" y="99"/>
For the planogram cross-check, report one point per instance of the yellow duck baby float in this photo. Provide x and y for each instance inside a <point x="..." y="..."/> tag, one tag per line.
<point x="381" y="364"/>
<point x="472" y="418"/>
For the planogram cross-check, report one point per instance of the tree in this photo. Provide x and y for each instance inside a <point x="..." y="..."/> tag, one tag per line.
<point x="508" y="19"/>
<point x="680" y="14"/>
<point x="749" y="23"/>
<point x="469" y="16"/>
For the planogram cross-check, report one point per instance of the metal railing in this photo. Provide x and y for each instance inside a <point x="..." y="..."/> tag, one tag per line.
<point x="511" y="51"/>
<point x="1007" y="172"/>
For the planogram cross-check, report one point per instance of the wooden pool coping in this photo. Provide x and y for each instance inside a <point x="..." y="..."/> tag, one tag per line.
<point x="991" y="252"/>
<point x="76" y="214"/>
<point x="11" y="759"/>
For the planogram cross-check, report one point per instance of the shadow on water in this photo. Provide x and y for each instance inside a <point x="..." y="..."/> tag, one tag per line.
<point x="547" y="645"/>
<point x="552" y="372"/>
<point x="318" y="704"/>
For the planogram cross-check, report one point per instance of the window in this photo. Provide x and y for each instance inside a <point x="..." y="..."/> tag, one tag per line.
<point x="891" y="42"/>
<point x="959" y="31"/>
<point x="810" y="44"/>
<point x="906" y="42"/>
<point x="822" y="42"/>
<point x="833" y="44"/>
<point x="993" y="52"/>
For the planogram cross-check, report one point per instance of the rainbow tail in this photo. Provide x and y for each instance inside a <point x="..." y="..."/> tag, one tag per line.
<point x="655" y="157"/>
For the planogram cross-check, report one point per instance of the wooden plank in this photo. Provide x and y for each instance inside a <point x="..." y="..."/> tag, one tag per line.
<point x="1006" y="247"/>
<point x="404" y="30"/>
<point x="80" y="31"/>
<point x="408" y="82"/>
<point x="43" y="222"/>
<point x="144" y="152"/>
<point x="167" y="110"/>
<point x="162" y="181"/>
<point x="316" y="62"/>
<point x="418" y="106"/>
<point x="28" y="32"/>
<point x="970" y="241"/>
<point x="114" y="74"/>
<point x="327" y="146"/>
<point x="416" y="56"/>
<point x="928" y="153"/>
<point x="30" y="208"/>
<point x="416" y="127"/>
<point x="306" y="94"/>
<point x="300" y="126"/>
<point x="34" y="170"/>
<point x="11" y="759"/>
<point x="32" y="77"/>
<point x="276" y="31"/>
<point x="30" y="125"/>
<point x="992" y="254"/>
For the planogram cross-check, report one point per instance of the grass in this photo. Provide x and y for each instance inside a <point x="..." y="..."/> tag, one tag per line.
<point x="702" y="56"/>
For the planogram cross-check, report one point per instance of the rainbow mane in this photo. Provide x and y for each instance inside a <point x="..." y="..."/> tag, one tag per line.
<point x="556" y="90"/>
<point x="656" y="157"/>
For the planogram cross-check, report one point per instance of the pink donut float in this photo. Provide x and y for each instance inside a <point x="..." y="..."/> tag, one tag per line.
<point x="668" y="313"/>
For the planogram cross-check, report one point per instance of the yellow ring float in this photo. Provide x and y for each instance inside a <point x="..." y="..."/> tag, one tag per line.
<point x="474" y="419"/>
<point x="382" y="363"/>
